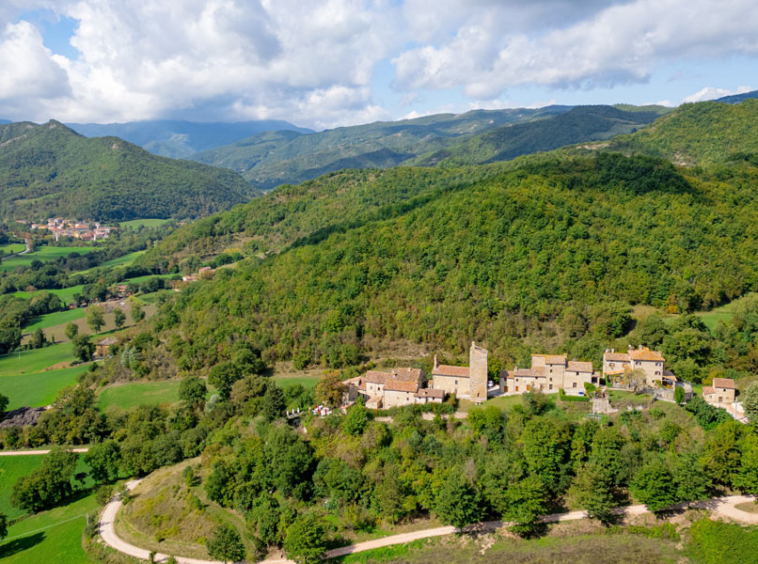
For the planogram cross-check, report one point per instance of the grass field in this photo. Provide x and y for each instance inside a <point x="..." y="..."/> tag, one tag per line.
<point x="135" y="223"/>
<point x="53" y="537"/>
<point x="141" y="279"/>
<point x="40" y="389"/>
<point x="44" y="254"/>
<point x="140" y="393"/>
<point x="33" y="361"/>
<point x="308" y="382"/>
<point x="53" y="319"/>
<point x="120" y="261"/>
<point x="65" y="294"/>
<point x="11" y="249"/>
<point x="14" y="467"/>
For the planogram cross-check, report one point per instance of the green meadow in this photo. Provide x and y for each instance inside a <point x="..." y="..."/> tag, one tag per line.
<point x="43" y="254"/>
<point x="135" y="223"/>
<point x="11" y="249"/>
<point x="65" y="294"/>
<point x="57" y="318"/>
<point x="36" y="360"/>
<point x="39" y="389"/>
<point x="53" y="536"/>
<point x="140" y="393"/>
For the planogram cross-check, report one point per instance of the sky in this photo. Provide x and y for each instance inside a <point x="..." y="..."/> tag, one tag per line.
<point x="330" y="63"/>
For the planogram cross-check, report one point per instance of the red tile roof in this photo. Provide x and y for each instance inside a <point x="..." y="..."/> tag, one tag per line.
<point x="430" y="393"/>
<point x="615" y="357"/>
<point x="553" y="358"/>
<point x="377" y="377"/>
<point x="575" y="366"/>
<point x="445" y="370"/>
<point x="646" y="354"/>
<point x="395" y="385"/>
<point x="708" y="390"/>
<point x="727" y="383"/>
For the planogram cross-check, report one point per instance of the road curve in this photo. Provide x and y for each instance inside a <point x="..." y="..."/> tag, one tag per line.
<point x="37" y="452"/>
<point x="719" y="506"/>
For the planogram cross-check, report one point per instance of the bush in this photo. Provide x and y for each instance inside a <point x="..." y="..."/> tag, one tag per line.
<point x="565" y="397"/>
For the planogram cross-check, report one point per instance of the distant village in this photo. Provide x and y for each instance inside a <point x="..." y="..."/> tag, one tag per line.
<point x="638" y="369"/>
<point x="74" y="228"/>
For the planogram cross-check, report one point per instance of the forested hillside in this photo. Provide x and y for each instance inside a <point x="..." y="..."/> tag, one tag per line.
<point x="697" y="134"/>
<point x="584" y="123"/>
<point x="51" y="170"/>
<point x="271" y="159"/>
<point x="556" y="249"/>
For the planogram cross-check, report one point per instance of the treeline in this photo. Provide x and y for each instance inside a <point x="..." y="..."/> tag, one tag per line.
<point x="550" y="254"/>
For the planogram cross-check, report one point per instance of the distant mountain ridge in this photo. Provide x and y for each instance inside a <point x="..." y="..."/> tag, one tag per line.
<point x="738" y="98"/>
<point x="50" y="169"/>
<point x="180" y="139"/>
<point x="269" y="160"/>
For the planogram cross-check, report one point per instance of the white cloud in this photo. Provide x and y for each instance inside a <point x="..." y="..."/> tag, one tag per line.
<point x="711" y="93"/>
<point x="313" y="63"/>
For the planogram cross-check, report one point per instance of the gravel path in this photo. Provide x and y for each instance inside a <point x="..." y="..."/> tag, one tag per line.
<point x="36" y="452"/>
<point x="722" y="506"/>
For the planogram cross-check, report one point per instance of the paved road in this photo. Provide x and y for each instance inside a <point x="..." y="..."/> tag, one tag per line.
<point x="723" y="506"/>
<point x="37" y="452"/>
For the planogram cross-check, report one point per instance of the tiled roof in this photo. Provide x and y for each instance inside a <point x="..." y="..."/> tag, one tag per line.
<point x="408" y="374"/>
<point x="395" y="385"/>
<point x="615" y="357"/>
<point x="553" y="358"/>
<point x="430" y="393"/>
<point x="376" y="377"/>
<point x="445" y="370"/>
<point x="727" y="383"/>
<point x="646" y="354"/>
<point x="708" y="390"/>
<point x="538" y="372"/>
<point x="575" y="366"/>
<point x="670" y="375"/>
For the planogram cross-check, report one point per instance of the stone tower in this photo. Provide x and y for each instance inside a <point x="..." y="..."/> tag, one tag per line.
<point x="478" y="373"/>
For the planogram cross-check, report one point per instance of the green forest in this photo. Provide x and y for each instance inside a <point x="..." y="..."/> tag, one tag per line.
<point x="49" y="170"/>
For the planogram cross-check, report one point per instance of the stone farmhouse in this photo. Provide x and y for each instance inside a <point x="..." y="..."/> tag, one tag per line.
<point x="618" y="366"/>
<point x="409" y="386"/>
<point x="548" y="374"/>
<point x="720" y="393"/>
<point x="467" y="382"/>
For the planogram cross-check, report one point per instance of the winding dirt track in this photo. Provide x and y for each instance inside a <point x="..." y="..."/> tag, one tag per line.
<point x="720" y="507"/>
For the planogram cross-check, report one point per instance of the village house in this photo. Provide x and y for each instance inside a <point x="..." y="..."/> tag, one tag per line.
<point x="548" y="374"/>
<point x="618" y="366"/>
<point x="720" y="392"/>
<point x="102" y="348"/>
<point x="402" y="386"/>
<point x="467" y="382"/>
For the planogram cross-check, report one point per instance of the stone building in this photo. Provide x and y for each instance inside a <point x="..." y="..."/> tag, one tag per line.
<point x="720" y="392"/>
<point x="548" y="374"/>
<point x="403" y="386"/>
<point x="616" y="365"/>
<point x="467" y="382"/>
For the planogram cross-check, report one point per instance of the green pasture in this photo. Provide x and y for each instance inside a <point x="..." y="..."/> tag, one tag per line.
<point x="140" y="393"/>
<point x="135" y="223"/>
<point x="308" y="382"/>
<point x="53" y="536"/>
<point x="33" y="361"/>
<point x="43" y="254"/>
<point x="118" y="261"/>
<point x="57" y="318"/>
<point x="65" y="294"/>
<point x="12" y="249"/>
<point x="39" y="389"/>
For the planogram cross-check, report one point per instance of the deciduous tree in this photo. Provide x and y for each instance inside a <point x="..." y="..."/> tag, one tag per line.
<point x="226" y="544"/>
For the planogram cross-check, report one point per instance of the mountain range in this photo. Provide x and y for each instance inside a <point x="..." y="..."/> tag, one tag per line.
<point x="179" y="139"/>
<point x="50" y="169"/>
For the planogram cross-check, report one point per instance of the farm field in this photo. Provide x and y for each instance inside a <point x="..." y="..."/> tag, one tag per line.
<point x="14" y="467"/>
<point x="53" y="536"/>
<point x="53" y="319"/>
<point x="58" y="330"/>
<point x="44" y="254"/>
<point x="139" y="393"/>
<point x="33" y="361"/>
<point x="65" y="294"/>
<point x="40" y="389"/>
<point x="11" y="248"/>
<point x="135" y="223"/>
<point x="119" y="261"/>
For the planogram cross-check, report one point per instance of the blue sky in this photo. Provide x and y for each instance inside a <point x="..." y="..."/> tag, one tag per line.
<point x="327" y="63"/>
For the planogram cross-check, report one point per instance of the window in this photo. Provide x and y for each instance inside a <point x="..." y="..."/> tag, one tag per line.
<point x="550" y="387"/>
<point x="456" y="382"/>
<point x="574" y="385"/>
<point x="517" y="388"/>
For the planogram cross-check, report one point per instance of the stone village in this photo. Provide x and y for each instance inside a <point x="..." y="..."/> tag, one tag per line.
<point x="639" y="369"/>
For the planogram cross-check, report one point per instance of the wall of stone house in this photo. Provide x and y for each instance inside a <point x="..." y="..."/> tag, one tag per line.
<point x="448" y="384"/>
<point x="649" y="367"/>
<point x="573" y="382"/>
<point x="478" y="372"/>
<point x="533" y="385"/>
<point x="557" y="372"/>
<point x="613" y="366"/>
<point x="726" y="395"/>
<point x="393" y="398"/>
<point x="373" y="389"/>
